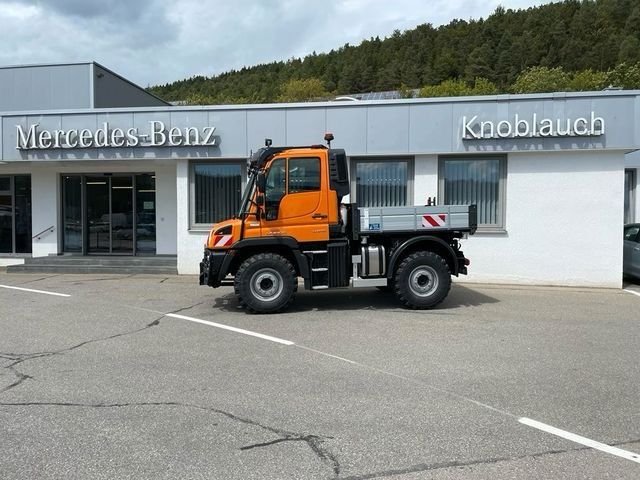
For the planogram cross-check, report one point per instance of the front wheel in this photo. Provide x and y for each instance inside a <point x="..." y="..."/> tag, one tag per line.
<point x="266" y="283"/>
<point x="422" y="280"/>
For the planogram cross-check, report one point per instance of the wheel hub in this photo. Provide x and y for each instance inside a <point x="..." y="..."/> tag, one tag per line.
<point x="423" y="281"/>
<point x="266" y="284"/>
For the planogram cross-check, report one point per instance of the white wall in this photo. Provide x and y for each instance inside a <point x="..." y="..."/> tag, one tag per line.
<point x="45" y="206"/>
<point x="426" y="178"/>
<point x="190" y="242"/>
<point x="166" y="210"/>
<point x="564" y="220"/>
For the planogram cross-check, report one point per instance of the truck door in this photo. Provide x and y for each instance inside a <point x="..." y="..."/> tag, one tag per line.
<point x="296" y="200"/>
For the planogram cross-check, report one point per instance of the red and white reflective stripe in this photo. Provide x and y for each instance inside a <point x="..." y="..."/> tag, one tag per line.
<point x="434" y="221"/>
<point x="222" y="240"/>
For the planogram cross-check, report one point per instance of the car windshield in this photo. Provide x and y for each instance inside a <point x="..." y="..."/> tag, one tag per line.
<point x="247" y="194"/>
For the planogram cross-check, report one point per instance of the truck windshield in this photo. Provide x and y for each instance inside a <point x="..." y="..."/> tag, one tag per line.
<point x="247" y="194"/>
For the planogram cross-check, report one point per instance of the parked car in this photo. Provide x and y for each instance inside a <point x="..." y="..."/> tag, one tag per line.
<point x="631" y="267"/>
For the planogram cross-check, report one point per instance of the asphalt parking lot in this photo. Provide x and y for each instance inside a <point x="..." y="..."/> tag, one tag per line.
<point x="122" y="379"/>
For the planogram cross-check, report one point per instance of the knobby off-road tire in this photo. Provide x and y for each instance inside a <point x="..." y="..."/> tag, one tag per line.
<point x="266" y="283"/>
<point x="422" y="280"/>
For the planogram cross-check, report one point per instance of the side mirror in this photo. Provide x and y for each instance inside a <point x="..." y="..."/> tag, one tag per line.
<point x="260" y="200"/>
<point x="261" y="182"/>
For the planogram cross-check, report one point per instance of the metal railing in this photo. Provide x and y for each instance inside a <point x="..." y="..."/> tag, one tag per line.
<point x="46" y="230"/>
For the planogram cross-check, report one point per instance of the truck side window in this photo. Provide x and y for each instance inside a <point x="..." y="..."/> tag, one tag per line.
<point x="275" y="188"/>
<point x="304" y="175"/>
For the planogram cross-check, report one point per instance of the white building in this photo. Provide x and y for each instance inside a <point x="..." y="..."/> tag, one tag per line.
<point x="91" y="164"/>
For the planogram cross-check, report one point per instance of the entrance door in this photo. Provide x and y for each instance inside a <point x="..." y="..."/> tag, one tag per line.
<point x="110" y="215"/>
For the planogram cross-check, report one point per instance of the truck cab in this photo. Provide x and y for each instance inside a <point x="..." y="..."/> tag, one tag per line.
<point x="292" y="224"/>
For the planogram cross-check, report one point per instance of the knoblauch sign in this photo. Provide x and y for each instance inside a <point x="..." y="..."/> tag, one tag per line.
<point x="532" y="127"/>
<point x="34" y="138"/>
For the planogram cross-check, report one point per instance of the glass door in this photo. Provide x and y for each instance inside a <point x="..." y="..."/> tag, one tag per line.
<point x="122" y="237"/>
<point x="72" y="213"/>
<point x="98" y="215"/>
<point x="145" y="213"/>
<point x="109" y="214"/>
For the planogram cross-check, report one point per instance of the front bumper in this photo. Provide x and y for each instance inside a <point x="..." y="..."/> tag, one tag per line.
<point x="211" y="267"/>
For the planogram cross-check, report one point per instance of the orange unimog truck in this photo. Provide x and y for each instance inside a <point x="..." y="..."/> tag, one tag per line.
<point x="292" y="224"/>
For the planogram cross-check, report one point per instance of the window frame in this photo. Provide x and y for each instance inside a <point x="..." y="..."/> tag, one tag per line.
<point x="630" y="215"/>
<point x="500" y="226"/>
<point x="192" y="186"/>
<point x="353" y="179"/>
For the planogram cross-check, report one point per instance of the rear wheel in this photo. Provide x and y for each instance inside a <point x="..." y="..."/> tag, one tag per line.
<point x="266" y="283"/>
<point x="422" y="280"/>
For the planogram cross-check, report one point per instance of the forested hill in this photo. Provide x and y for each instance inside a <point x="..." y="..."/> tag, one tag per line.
<point x="570" y="45"/>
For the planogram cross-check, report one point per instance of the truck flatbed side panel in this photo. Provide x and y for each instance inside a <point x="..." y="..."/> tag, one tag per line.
<point x="417" y="219"/>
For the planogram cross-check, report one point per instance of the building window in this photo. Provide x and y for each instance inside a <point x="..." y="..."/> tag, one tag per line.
<point x="381" y="182"/>
<point x="479" y="181"/>
<point x="629" y="196"/>
<point x="216" y="189"/>
<point x="15" y="214"/>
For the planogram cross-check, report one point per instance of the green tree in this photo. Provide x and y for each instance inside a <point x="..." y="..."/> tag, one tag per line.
<point x="302" y="90"/>
<point x="482" y="86"/>
<point x="541" y="79"/>
<point x="448" y="88"/>
<point x="587" y="80"/>
<point x="624" y="76"/>
<point x="479" y="63"/>
<point x="197" y="98"/>
<point x="629" y="50"/>
<point x="405" y="91"/>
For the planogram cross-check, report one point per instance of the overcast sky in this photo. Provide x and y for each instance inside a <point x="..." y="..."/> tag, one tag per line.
<point x="158" y="41"/>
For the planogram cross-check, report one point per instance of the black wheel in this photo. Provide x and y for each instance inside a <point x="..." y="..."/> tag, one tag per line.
<point x="266" y="283"/>
<point x="422" y="280"/>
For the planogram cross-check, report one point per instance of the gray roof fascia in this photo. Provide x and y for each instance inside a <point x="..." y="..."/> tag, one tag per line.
<point x="52" y="64"/>
<point x="334" y="104"/>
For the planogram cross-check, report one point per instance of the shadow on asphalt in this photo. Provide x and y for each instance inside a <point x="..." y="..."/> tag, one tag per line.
<point x="361" y="299"/>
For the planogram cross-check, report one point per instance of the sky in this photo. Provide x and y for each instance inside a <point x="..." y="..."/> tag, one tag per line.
<point x="157" y="41"/>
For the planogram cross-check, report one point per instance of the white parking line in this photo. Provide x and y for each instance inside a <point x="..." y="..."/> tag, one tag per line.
<point x="233" y="329"/>
<point x="631" y="291"/>
<point x="35" y="291"/>
<point x="634" y="457"/>
<point x="627" y="455"/>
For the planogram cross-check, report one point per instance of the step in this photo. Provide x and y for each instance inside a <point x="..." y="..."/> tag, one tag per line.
<point x="106" y="261"/>
<point x="94" y="269"/>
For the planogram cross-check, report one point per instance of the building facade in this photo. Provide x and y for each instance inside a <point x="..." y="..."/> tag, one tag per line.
<point x="554" y="175"/>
